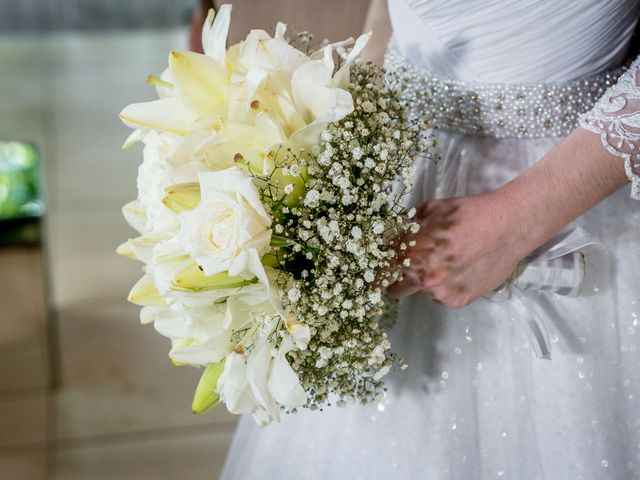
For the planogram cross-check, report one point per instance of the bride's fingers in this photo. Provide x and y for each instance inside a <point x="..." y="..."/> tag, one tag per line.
<point x="426" y="293"/>
<point x="423" y="210"/>
<point x="409" y="284"/>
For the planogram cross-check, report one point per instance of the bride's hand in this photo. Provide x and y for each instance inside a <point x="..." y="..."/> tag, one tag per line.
<point x="466" y="247"/>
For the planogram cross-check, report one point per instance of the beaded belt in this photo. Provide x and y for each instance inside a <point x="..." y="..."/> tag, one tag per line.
<point x="498" y="110"/>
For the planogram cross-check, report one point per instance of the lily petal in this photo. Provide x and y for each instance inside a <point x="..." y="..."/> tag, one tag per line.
<point x="312" y="91"/>
<point x="195" y="353"/>
<point x="284" y="384"/>
<point x="135" y="216"/>
<point x="150" y="313"/>
<point x="259" y="362"/>
<point x="342" y="77"/>
<point x="135" y="137"/>
<point x="215" y="31"/>
<point x="233" y="385"/>
<point x="126" y="250"/>
<point x="171" y="114"/>
<point x="201" y="79"/>
<point x="171" y="324"/>
<point x="144" y="293"/>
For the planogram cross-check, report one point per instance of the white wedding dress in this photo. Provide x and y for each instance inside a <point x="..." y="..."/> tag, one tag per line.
<point x="475" y="402"/>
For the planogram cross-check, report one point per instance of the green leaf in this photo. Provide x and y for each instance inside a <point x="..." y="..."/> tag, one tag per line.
<point x="271" y="259"/>
<point x="277" y="241"/>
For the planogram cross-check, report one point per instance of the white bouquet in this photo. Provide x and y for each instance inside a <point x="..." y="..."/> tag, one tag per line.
<point x="267" y="204"/>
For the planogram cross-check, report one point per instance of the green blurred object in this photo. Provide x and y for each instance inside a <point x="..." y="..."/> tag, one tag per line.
<point x="21" y="205"/>
<point x="19" y="181"/>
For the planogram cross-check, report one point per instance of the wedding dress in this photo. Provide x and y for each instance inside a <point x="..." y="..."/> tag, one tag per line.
<point x="511" y="78"/>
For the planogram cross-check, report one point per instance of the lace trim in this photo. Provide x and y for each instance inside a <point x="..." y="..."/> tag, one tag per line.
<point x="616" y="118"/>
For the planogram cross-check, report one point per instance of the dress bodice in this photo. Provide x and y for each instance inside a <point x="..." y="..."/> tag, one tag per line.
<point x="514" y="41"/>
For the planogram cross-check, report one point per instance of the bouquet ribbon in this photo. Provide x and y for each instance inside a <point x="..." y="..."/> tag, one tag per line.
<point x="572" y="264"/>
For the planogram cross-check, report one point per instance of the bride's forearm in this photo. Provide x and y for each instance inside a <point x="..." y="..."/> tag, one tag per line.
<point x="571" y="179"/>
<point x="377" y="21"/>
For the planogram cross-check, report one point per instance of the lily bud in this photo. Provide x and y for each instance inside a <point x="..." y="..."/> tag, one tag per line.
<point x="125" y="250"/>
<point x="145" y="293"/>
<point x="279" y="159"/>
<point x="184" y="196"/>
<point x="192" y="278"/>
<point x="271" y="259"/>
<point x="206" y="397"/>
<point x="135" y="215"/>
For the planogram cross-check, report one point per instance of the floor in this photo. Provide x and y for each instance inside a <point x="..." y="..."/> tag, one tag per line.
<point x="120" y="410"/>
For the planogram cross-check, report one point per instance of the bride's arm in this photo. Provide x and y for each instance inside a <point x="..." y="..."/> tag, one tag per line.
<point x="377" y="21"/>
<point x="468" y="246"/>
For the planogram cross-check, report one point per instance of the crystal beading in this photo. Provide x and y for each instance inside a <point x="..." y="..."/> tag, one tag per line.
<point x="500" y="110"/>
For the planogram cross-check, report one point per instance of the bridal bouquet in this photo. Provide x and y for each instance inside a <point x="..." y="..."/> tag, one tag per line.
<point x="268" y="201"/>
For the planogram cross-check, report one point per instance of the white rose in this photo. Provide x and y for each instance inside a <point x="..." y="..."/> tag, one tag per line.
<point x="229" y="229"/>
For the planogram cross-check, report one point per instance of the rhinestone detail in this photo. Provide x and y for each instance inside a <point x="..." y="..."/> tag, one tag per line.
<point x="500" y="110"/>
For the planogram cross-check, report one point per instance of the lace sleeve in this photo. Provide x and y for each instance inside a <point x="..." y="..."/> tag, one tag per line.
<point x="616" y="118"/>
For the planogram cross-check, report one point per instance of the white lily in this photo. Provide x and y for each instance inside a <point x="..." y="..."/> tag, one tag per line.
<point x="260" y="51"/>
<point x="283" y="382"/>
<point x="260" y="383"/>
<point x="199" y="84"/>
<point x="301" y="93"/>
<point x="259" y="364"/>
<point x="135" y="215"/>
<point x="233" y="385"/>
<point x="314" y="95"/>
<point x="201" y="327"/>
<point x="215" y="31"/>
<point x="341" y="78"/>
<point x="237" y="143"/>
<point x="197" y="334"/>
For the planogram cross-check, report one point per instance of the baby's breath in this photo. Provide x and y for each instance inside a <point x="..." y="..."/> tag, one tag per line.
<point x="341" y="257"/>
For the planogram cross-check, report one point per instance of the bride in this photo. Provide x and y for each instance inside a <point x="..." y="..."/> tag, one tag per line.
<point x="520" y="167"/>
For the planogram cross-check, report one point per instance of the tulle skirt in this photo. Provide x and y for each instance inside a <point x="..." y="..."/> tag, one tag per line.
<point x="475" y="402"/>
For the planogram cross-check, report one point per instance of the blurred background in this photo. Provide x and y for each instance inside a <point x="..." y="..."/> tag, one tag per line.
<point x="86" y="392"/>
